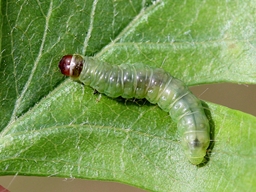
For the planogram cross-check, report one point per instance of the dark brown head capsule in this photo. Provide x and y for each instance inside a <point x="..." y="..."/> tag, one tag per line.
<point x="71" y="65"/>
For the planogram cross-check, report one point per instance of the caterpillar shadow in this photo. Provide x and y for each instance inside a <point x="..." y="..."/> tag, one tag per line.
<point x="212" y="134"/>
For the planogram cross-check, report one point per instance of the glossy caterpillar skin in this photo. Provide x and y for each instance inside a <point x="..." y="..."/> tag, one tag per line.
<point x="154" y="84"/>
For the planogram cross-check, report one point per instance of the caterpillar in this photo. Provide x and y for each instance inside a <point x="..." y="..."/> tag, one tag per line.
<point x="154" y="84"/>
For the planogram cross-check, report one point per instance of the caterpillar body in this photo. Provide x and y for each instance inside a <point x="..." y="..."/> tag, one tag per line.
<point x="154" y="84"/>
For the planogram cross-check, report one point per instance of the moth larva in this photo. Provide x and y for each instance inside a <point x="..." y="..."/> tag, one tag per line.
<point x="154" y="84"/>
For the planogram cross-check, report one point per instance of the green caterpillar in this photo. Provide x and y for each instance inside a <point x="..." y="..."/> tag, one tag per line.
<point x="154" y="84"/>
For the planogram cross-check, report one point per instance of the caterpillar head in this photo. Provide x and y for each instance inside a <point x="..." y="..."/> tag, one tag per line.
<point x="71" y="65"/>
<point x="195" y="145"/>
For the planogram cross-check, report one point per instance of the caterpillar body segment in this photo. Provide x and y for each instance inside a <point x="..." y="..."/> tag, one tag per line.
<point x="154" y="84"/>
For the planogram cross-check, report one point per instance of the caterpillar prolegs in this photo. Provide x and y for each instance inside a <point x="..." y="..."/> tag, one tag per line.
<point x="154" y="84"/>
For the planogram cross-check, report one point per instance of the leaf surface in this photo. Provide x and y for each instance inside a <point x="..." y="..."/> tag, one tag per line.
<point x="52" y="126"/>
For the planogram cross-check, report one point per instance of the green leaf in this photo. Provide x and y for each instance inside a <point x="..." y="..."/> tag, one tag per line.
<point x="52" y="126"/>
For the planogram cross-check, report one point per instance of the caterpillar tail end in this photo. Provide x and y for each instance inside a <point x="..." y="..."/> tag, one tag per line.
<point x="196" y="160"/>
<point x="195" y="147"/>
